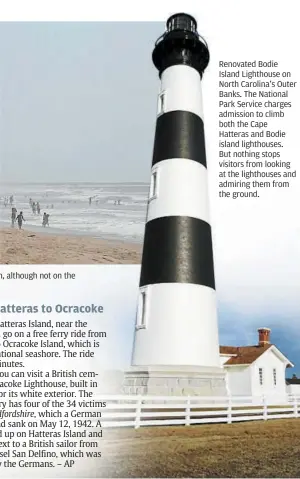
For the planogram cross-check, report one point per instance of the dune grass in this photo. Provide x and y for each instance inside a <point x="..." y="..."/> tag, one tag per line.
<point x="252" y="449"/>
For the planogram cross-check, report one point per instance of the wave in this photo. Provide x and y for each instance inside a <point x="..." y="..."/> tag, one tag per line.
<point x="69" y="209"/>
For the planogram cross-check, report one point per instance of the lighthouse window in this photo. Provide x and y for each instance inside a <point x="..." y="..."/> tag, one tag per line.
<point x="274" y="377"/>
<point x="141" y="312"/>
<point x="261" y="378"/>
<point x="161" y="103"/>
<point x="153" y="186"/>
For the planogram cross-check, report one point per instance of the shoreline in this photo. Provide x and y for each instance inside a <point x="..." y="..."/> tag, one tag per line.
<point x="68" y="232"/>
<point x="32" y="245"/>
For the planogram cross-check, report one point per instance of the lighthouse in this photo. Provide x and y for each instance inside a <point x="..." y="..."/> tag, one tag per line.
<point x="176" y="344"/>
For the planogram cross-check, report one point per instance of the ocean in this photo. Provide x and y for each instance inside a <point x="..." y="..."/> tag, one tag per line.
<point x="117" y="210"/>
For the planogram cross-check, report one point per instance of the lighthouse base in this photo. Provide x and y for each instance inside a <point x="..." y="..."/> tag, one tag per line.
<point x="175" y="381"/>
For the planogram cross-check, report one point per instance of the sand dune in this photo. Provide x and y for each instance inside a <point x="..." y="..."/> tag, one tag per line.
<point x="30" y="247"/>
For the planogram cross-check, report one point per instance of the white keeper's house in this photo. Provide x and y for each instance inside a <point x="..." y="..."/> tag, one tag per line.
<point x="251" y="371"/>
<point x="255" y="370"/>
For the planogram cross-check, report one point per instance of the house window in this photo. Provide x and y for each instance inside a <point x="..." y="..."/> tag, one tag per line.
<point x="261" y="378"/>
<point x="153" y="186"/>
<point x="274" y="377"/>
<point x="161" y="103"/>
<point x="142" y="310"/>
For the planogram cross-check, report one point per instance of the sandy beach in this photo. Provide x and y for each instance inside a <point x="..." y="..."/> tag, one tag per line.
<point x="32" y="247"/>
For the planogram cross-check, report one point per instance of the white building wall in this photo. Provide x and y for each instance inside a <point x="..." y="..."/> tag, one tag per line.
<point x="268" y="362"/>
<point x="293" y="389"/>
<point x="239" y="380"/>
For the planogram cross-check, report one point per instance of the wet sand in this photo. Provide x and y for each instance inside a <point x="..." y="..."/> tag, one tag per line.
<point x="32" y="247"/>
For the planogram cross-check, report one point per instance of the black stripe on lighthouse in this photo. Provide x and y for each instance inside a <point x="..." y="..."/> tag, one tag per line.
<point x="179" y="134"/>
<point x="177" y="249"/>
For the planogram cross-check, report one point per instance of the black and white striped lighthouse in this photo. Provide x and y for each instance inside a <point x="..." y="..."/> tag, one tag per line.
<point x="176" y="345"/>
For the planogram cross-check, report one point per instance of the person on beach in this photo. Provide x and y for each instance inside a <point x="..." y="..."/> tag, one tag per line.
<point x="45" y="220"/>
<point x="20" y="218"/>
<point x="34" y="208"/>
<point x="5" y="201"/>
<point x="30" y="201"/>
<point x="38" y="208"/>
<point x="13" y="216"/>
<point x="90" y="200"/>
<point x="11" y="199"/>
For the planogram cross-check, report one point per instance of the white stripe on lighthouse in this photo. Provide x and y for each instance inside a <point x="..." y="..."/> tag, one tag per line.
<point x="182" y="88"/>
<point x="182" y="327"/>
<point x="180" y="190"/>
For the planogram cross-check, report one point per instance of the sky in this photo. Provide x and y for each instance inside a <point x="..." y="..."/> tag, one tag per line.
<point x="80" y="98"/>
<point x="79" y="103"/>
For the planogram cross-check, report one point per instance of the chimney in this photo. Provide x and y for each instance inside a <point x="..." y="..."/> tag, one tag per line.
<point x="263" y="336"/>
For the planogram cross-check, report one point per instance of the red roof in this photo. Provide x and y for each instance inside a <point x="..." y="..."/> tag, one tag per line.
<point x="243" y="354"/>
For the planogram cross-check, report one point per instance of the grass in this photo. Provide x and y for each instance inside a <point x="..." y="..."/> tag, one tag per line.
<point x="252" y="449"/>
